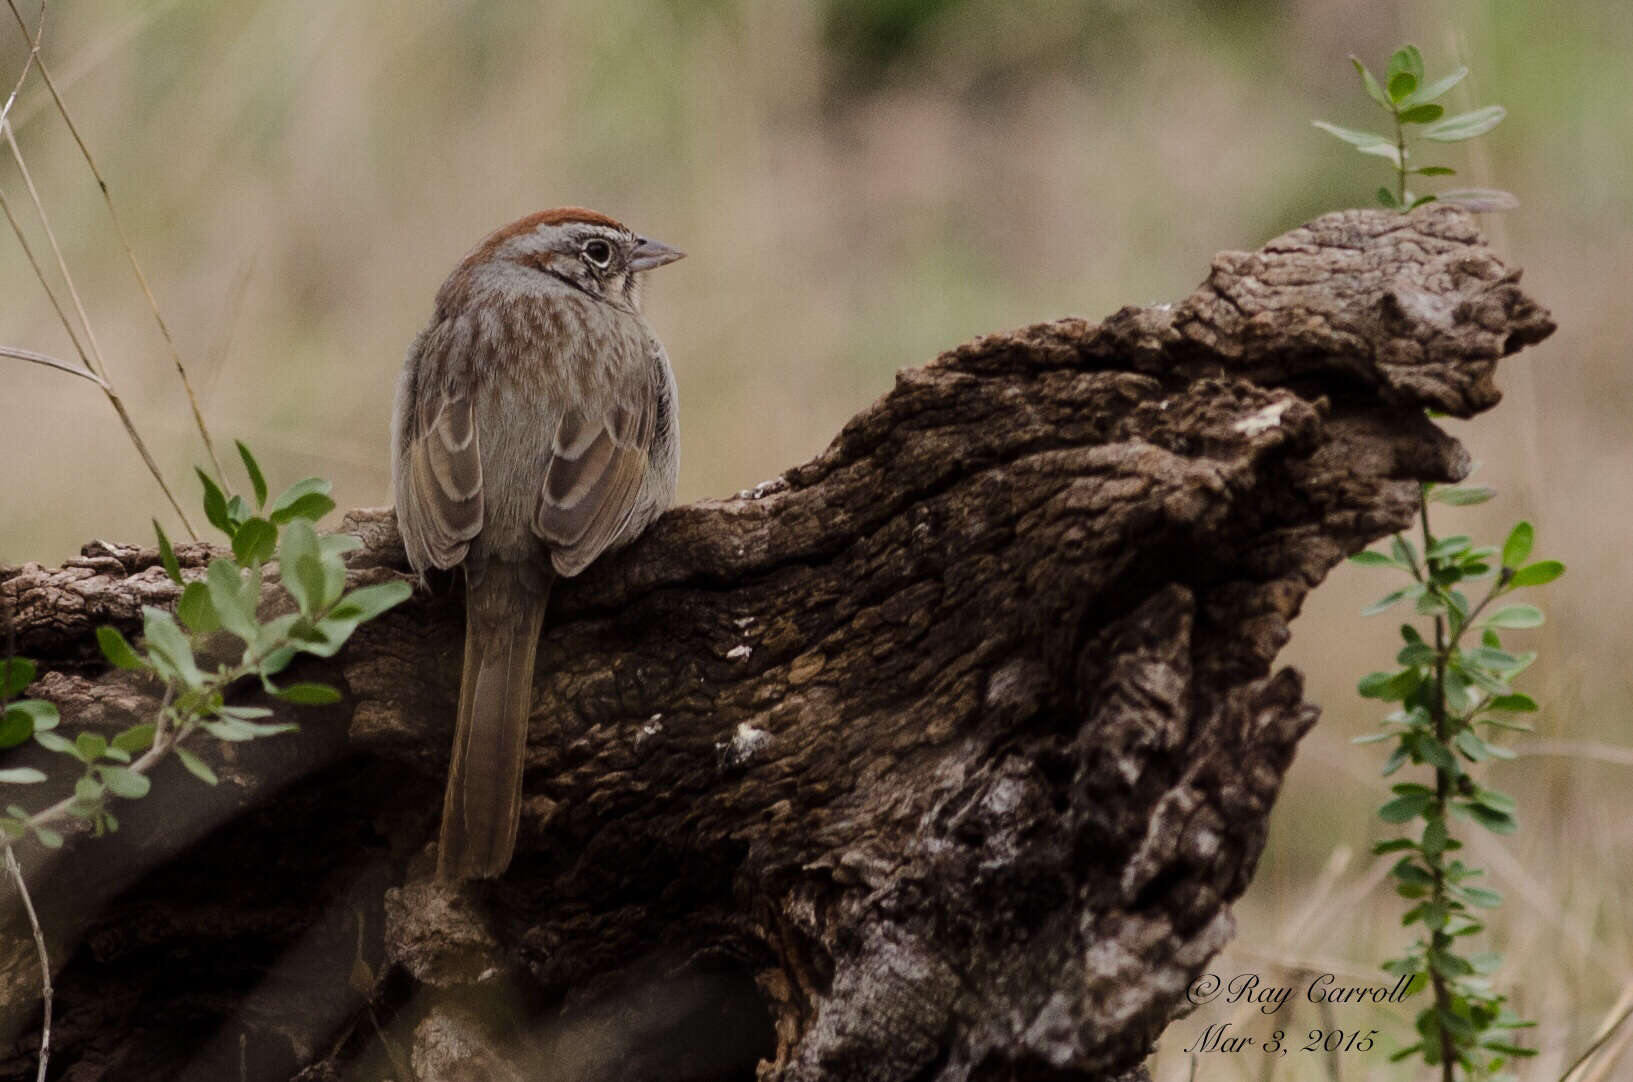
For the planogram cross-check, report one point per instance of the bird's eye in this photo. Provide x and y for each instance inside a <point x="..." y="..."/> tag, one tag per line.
<point x="598" y="252"/>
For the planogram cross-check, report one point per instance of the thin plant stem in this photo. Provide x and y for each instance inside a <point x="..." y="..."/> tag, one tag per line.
<point x="16" y="873"/>
<point x="56" y="250"/>
<point x="28" y="64"/>
<point x="39" y="273"/>
<point x="51" y="362"/>
<point x="1400" y="149"/>
<point x="1439" y="940"/>
<point x="130" y="253"/>
<point x="94" y="358"/>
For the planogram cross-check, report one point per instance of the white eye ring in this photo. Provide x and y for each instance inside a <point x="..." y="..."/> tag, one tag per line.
<point x="598" y="252"/>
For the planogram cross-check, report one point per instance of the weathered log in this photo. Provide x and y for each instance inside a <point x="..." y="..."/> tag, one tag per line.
<point x="942" y="756"/>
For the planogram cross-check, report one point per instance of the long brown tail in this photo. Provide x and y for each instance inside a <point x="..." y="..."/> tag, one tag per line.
<point x="504" y="610"/>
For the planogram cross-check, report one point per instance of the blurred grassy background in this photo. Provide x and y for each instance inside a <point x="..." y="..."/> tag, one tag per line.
<point x="860" y="184"/>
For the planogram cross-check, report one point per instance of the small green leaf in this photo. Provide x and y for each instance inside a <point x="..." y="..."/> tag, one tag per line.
<point x="1387" y="600"/>
<point x="168" y="646"/>
<point x="1434" y="753"/>
<point x="1448" y="546"/>
<point x="41" y="714"/>
<point x="88" y="791"/>
<point x="1393" y="845"/>
<point x="167" y="555"/>
<point x="1480" y="896"/>
<point x="237" y="512"/>
<point x="1454" y="129"/>
<point x="367" y="602"/>
<point x="48" y="837"/>
<point x="16" y="673"/>
<point x="1374" y="91"/>
<point x="1515" y="616"/>
<point x="1405" y="59"/>
<point x="136" y="738"/>
<point x="338" y="544"/>
<point x="117" y="649"/>
<point x="194" y="608"/>
<point x="302" y="571"/>
<point x="228" y="594"/>
<point x="1386" y="198"/>
<point x="125" y="783"/>
<point x="1397" y="759"/>
<point x="1403" y="549"/>
<point x="53" y="742"/>
<point x="1440" y="86"/>
<point x="309" y="694"/>
<point x="1401" y="85"/>
<point x="1421" y="114"/>
<point x="255" y="542"/>
<point x="196" y="766"/>
<point x="16" y="725"/>
<point x="253" y="468"/>
<point x="1420" y="201"/>
<point x="1472" y="747"/>
<point x="1434" y="838"/>
<point x="1495" y="821"/>
<point x="1355" y="137"/>
<point x="1403" y="808"/>
<point x="1515" y="703"/>
<point x="1537" y="574"/>
<point x="1389" y="686"/>
<point x="1436" y="171"/>
<point x="1495" y="800"/>
<point x="307" y="498"/>
<point x="1462" y="497"/>
<point x="90" y="746"/>
<point x="215" y="504"/>
<point x="1518" y="545"/>
<point x="1373" y="559"/>
<point x="1414" y="654"/>
<point x="1409" y="872"/>
<point x="1384" y="150"/>
<point x="22" y="775"/>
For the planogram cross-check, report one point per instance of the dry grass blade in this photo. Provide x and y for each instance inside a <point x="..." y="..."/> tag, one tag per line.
<point x="28" y="64"/>
<point x="1587" y="750"/>
<point x="95" y="357"/>
<point x="1614" y="1021"/>
<point x="51" y="295"/>
<point x="51" y="362"/>
<point x="124" y="241"/>
<point x="93" y="360"/>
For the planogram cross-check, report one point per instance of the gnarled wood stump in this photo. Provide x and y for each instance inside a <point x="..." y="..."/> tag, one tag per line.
<point x="940" y="757"/>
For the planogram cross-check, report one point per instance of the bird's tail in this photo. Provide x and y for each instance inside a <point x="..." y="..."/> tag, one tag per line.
<point x="504" y="610"/>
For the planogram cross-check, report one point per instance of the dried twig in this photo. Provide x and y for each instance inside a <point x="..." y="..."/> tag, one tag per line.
<point x="45" y="960"/>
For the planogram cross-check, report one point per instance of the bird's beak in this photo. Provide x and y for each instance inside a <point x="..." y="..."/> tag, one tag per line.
<point x="652" y="253"/>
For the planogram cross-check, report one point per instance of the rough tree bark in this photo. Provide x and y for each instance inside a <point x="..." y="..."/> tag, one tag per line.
<point x="940" y="757"/>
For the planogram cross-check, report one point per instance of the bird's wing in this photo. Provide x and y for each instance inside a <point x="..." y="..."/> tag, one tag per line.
<point x="598" y="461"/>
<point x="439" y="500"/>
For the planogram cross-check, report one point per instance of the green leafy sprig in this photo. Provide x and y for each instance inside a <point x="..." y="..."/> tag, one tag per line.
<point x="1453" y="685"/>
<point x="1410" y="102"/>
<point x="195" y="699"/>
